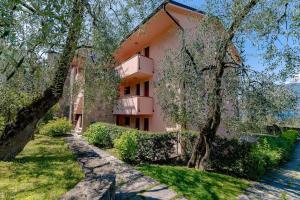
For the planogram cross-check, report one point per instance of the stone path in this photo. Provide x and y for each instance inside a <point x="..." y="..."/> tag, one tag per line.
<point x="130" y="183"/>
<point x="280" y="184"/>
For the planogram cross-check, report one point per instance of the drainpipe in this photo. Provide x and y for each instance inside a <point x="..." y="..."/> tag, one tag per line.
<point x="178" y="25"/>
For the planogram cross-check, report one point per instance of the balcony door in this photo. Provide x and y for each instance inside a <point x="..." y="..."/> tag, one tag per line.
<point x="137" y="123"/>
<point x="138" y="89"/>
<point x="146" y="124"/>
<point x="146" y="89"/>
<point x="147" y="52"/>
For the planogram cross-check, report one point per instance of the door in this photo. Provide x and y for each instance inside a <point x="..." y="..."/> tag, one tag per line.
<point x="146" y="124"/>
<point x="138" y="89"/>
<point x="146" y="89"/>
<point x="137" y="123"/>
<point x="147" y="52"/>
<point x="118" y="120"/>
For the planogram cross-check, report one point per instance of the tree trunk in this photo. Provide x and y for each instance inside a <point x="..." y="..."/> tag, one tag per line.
<point x="18" y="133"/>
<point x="201" y="151"/>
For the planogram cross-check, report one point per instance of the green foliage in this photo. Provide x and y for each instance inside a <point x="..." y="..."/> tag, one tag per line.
<point x="52" y="114"/>
<point x="57" y="127"/>
<point x="2" y="124"/>
<point x="99" y="134"/>
<point x="268" y="153"/>
<point x="242" y="158"/>
<point x="152" y="147"/>
<point x="103" y="134"/>
<point x="45" y="169"/>
<point x="194" y="184"/>
<point x="156" y="147"/>
<point x="127" y="145"/>
<point x="12" y="101"/>
<point x="290" y="135"/>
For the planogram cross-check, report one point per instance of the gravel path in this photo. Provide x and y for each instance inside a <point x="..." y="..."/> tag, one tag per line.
<point x="280" y="184"/>
<point x="130" y="183"/>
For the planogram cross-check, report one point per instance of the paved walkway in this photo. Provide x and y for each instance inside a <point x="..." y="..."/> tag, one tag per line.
<point x="130" y="183"/>
<point x="280" y="184"/>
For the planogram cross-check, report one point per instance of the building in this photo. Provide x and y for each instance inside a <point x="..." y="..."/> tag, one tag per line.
<point x="138" y="57"/>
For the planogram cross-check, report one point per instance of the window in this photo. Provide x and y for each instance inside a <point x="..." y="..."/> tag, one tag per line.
<point x="146" y="89"/>
<point x="147" y="52"/>
<point x="127" y="90"/>
<point x="137" y="123"/>
<point x="146" y="124"/>
<point x="138" y="89"/>
<point x="127" y="121"/>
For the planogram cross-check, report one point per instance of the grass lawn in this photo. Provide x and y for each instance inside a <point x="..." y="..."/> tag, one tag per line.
<point x="193" y="184"/>
<point x="45" y="169"/>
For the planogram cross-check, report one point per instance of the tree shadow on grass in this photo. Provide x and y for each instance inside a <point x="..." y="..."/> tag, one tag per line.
<point x="194" y="184"/>
<point x="45" y="168"/>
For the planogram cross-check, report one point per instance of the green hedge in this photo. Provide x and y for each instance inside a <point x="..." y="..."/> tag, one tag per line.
<point x="156" y="147"/>
<point x="57" y="127"/>
<point x="268" y="153"/>
<point x="151" y="147"/>
<point x="127" y="145"/>
<point x="104" y="134"/>
<point x="233" y="156"/>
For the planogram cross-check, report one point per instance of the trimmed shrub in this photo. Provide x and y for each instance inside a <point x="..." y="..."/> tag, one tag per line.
<point x="156" y="147"/>
<point x="57" y="127"/>
<point x="268" y="153"/>
<point x="103" y="134"/>
<point x="228" y="155"/>
<point x="127" y="145"/>
<point x="99" y="135"/>
<point x="242" y="158"/>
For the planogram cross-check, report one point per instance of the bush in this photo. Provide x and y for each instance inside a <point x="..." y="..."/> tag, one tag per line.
<point x="103" y="134"/>
<point x="156" y="147"/>
<point x="127" y="145"/>
<point x="290" y="135"/>
<point x="152" y="147"/>
<point x="57" y="127"/>
<point x="268" y="153"/>
<point x="99" y="135"/>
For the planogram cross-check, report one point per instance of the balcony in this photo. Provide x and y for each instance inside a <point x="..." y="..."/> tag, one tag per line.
<point x="136" y="67"/>
<point x="134" y="105"/>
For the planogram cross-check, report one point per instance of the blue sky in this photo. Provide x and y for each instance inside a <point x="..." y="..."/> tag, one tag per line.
<point x="252" y="57"/>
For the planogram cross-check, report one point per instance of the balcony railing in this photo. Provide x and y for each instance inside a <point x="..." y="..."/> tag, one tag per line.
<point x="134" y="105"/>
<point x="137" y="66"/>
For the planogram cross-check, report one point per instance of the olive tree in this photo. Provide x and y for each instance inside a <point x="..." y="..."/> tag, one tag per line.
<point x="30" y="29"/>
<point x="205" y="80"/>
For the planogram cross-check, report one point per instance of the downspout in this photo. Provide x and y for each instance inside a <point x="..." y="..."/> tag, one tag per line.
<point x="178" y="25"/>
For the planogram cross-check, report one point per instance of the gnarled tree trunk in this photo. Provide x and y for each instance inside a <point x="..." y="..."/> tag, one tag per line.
<point x="18" y="133"/>
<point x="203" y="145"/>
<point x="202" y="148"/>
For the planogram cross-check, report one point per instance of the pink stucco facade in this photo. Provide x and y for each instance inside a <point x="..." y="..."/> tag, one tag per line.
<point x="139" y="57"/>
